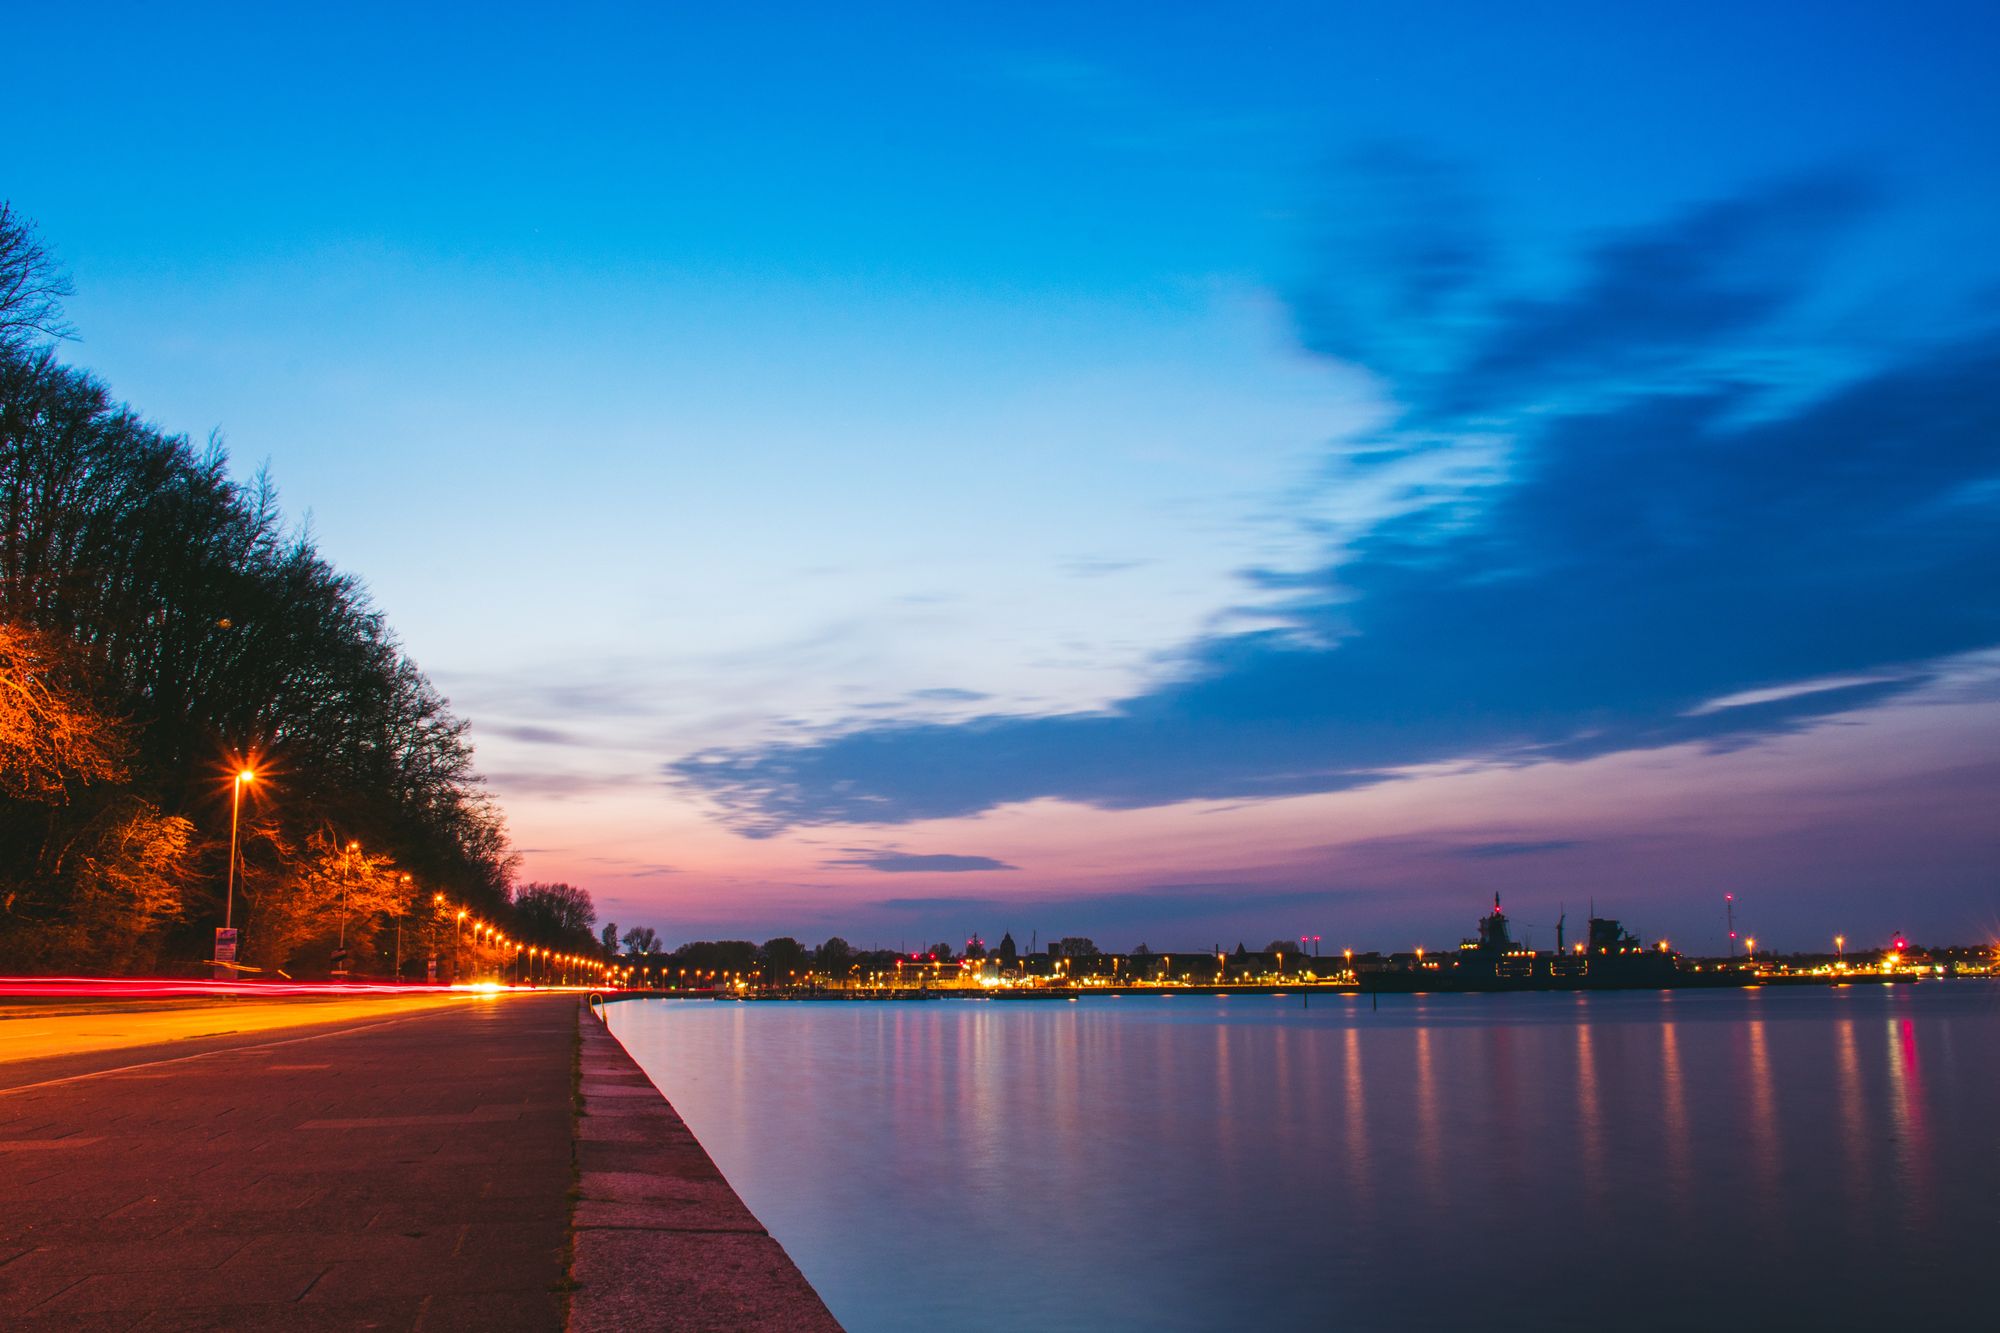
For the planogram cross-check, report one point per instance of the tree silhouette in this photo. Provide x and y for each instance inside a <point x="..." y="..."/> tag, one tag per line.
<point x="160" y="625"/>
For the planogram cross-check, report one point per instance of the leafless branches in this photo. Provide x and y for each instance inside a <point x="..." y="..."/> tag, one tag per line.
<point x="32" y="288"/>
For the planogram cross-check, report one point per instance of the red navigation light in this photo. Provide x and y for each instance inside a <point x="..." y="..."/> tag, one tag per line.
<point x="1901" y="944"/>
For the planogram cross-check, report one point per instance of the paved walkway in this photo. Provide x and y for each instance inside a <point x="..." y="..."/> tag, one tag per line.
<point x="406" y="1173"/>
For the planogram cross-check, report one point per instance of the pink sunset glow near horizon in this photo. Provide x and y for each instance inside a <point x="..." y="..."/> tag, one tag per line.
<point x="1838" y="830"/>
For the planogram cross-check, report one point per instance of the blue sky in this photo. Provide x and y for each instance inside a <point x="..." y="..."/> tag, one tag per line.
<point x="1148" y="473"/>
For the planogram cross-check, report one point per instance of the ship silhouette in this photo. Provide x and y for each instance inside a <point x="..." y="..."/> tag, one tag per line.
<point x="1609" y="958"/>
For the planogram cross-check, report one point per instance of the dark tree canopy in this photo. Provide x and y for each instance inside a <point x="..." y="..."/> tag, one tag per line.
<point x="558" y="915"/>
<point x="161" y="625"/>
<point x="784" y="956"/>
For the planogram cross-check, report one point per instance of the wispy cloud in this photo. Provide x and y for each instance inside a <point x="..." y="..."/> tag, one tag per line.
<point x="531" y="735"/>
<point x="1486" y="851"/>
<point x="551" y="784"/>
<point x="1645" y="550"/>
<point x="1085" y="567"/>
<point x="914" y="862"/>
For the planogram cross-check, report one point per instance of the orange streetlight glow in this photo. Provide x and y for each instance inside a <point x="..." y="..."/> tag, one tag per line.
<point x="244" y="777"/>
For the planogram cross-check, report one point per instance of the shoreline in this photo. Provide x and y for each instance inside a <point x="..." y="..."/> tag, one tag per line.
<point x="659" y="1238"/>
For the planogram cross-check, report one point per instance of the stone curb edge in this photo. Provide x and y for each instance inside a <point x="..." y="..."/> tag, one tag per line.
<point x="659" y="1239"/>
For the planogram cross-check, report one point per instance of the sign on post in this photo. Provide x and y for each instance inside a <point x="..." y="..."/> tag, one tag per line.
<point x="340" y="964"/>
<point x="225" y="953"/>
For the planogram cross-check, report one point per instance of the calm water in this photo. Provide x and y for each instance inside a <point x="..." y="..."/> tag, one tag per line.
<point x="1524" y="1161"/>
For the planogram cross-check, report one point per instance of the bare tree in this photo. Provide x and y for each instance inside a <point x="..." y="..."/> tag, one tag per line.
<point x="50" y="736"/>
<point x="32" y="288"/>
<point x="555" y="913"/>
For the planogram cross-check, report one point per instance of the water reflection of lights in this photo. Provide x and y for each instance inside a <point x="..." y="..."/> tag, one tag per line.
<point x="1430" y="1146"/>
<point x="1906" y="1109"/>
<point x="1358" y="1182"/>
<point x="1673" y="1109"/>
<point x="1853" y="1110"/>
<point x="1590" y="1123"/>
<point x="1763" y="1138"/>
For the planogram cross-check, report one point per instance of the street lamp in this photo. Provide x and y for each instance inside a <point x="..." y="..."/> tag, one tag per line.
<point x="244" y="776"/>
<point x="399" y="927"/>
<point x="346" y="880"/>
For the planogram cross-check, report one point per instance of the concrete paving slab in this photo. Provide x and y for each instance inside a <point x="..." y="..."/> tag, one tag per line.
<point x="712" y="1284"/>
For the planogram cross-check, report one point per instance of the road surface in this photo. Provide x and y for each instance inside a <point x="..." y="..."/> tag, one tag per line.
<point x="387" y="1164"/>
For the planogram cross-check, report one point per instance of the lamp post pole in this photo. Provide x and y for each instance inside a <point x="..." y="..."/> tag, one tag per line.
<point x="346" y="883"/>
<point x="225" y="938"/>
<point x="235" y="810"/>
<point x="404" y="907"/>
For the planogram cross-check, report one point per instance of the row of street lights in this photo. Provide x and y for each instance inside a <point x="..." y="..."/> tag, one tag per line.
<point x="551" y="965"/>
<point x="533" y="957"/>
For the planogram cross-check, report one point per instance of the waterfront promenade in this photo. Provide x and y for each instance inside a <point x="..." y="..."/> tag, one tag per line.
<point x="386" y="1168"/>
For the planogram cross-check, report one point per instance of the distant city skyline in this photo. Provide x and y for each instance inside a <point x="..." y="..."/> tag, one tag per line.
<point x="1115" y="472"/>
